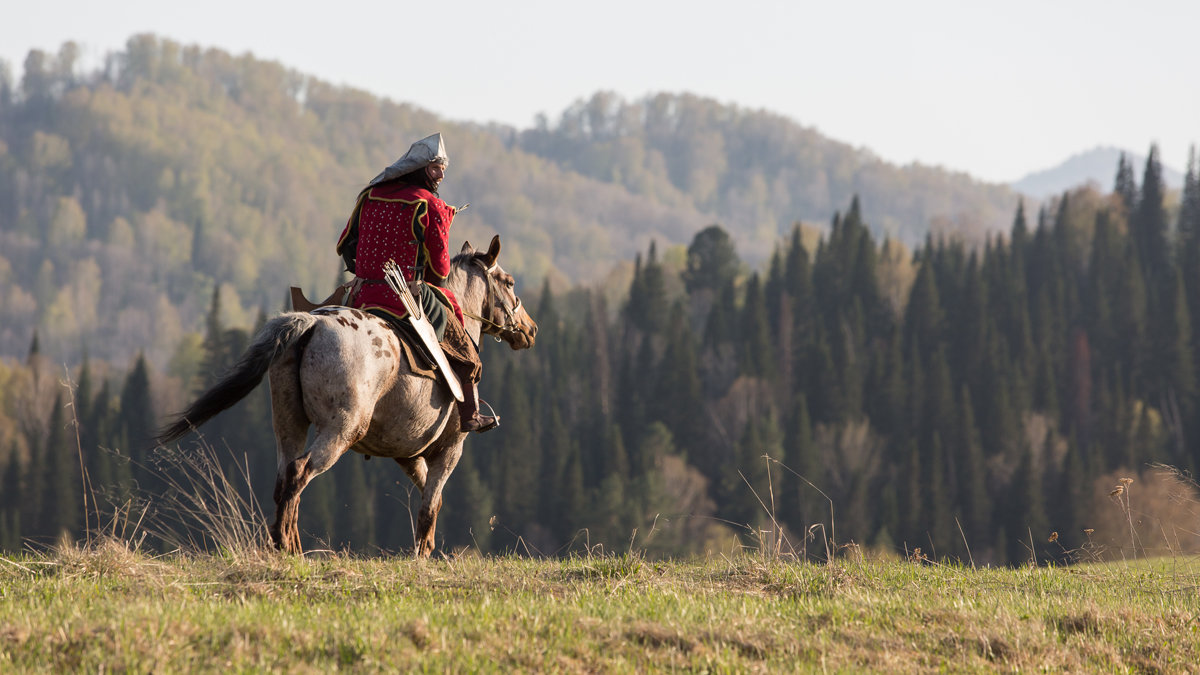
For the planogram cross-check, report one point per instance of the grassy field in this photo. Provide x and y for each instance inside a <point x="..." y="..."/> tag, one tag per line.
<point x="109" y="609"/>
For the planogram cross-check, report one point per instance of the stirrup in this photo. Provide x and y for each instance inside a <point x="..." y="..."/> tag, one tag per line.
<point x="485" y="423"/>
<point x="488" y="426"/>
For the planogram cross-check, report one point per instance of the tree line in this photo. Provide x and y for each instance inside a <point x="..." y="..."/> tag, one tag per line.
<point x="973" y="402"/>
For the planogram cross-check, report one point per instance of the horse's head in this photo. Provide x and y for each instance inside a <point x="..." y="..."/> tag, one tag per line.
<point x="500" y="312"/>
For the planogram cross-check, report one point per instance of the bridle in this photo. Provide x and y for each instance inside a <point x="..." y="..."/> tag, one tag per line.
<point x="494" y="300"/>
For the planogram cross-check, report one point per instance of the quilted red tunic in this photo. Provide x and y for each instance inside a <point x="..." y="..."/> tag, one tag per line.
<point x="410" y="225"/>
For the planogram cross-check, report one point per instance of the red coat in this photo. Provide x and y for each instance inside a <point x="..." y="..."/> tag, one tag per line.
<point x="410" y="225"/>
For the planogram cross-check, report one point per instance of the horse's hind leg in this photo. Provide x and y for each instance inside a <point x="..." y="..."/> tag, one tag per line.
<point x="440" y="466"/>
<point x="294" y="476"/>
<point x="415" y="468"/>
<point x="291" y="431"/>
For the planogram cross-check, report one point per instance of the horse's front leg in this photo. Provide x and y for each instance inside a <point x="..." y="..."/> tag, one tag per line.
<point x="440" y="466"/>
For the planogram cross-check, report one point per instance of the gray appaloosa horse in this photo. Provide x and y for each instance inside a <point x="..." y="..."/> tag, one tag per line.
<point x="342" y="370"/>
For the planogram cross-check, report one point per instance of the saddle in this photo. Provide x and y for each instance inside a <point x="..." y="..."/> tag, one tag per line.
<point x="420" y="361"/>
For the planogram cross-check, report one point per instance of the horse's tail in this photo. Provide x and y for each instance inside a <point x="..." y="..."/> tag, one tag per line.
<point x="275" y="337"/>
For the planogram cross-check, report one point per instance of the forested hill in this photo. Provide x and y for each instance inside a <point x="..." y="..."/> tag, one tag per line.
<point x="760" y="172"/>
<point x="128" y="192"/>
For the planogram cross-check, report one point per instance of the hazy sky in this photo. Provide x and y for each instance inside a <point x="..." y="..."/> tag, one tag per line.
<point x="996" y="89"/>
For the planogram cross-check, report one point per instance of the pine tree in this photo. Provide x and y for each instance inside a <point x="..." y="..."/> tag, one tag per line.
<point x="519" y="455"/>
<point x="1126" y="185"/>
<point x="1189" y="236"/>
<point x="216" y="353"/>
<point x="469" y="506"/>
<point x="1149" y="227"/>
<point x="938" y="514"/>
<point x="135" y="425"/>
<point x="62" y="510"/>
<point x="14" y="498"/>
<point x="647" y="308"/>
<point x="924" y="318"/>
<point x="1029" y="509"/>
<point x="756" y="357"/>
<point x="973" y="497"/>
<point x="678" y="400"/>
<point x="355" y="517"/>
<point x="912" y="500"/>
<point x="803" y="505"/>
<point x="321" y="509"/>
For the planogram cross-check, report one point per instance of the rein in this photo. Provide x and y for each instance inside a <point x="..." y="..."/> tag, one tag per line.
<point x="494" y="299"/>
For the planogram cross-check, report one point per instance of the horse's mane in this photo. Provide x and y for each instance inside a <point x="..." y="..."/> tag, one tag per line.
<point x="463" y="257"/>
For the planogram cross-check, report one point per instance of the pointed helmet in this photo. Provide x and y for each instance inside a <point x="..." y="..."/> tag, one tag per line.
<point x="428" y="150"/>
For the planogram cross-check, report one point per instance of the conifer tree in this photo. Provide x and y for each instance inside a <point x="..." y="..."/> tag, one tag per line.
<point x="647" y="308"/>
<point x="469" y="506"/>
<point x="61" y="509"/>
<point x="1028" y="508"/>
<point x="216" y="352"/>
<point x="615" y="460"/>
<point x="973" y="497"/>
<point x="912" y="499"/>
<point x="355" y="517"/>
<point x="15" y="502"/>
<point x="678" y="400"/>
<point x="756" y="356"/>
<point x="938" y="514"/>
<point x="1126" y="185"/>
<point x="518" y="457"/>
<point x="924" y="317"/>
<point x="1149" y="227"/>
<point x="798" y="286"/>
<point x="322" y="508"/>
<point x="135" y="424"/>
<point x="802" y="504"/>
<point x="1189" y="231"/>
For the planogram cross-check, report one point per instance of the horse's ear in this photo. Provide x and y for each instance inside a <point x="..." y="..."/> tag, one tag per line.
<point x="467" y="248"/>
<point x="493" y="251"/>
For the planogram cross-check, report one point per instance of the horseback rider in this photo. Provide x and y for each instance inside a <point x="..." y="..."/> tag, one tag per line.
<point x="400" y="216"/>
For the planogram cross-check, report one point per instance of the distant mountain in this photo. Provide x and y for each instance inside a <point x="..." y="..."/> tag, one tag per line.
<point x="1098" y="166"/>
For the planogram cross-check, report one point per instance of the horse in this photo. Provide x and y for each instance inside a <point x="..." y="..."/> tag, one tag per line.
<point x="343" y="371"/>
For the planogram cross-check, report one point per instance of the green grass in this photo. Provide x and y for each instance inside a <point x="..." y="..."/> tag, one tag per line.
<point x="109" y="609"/>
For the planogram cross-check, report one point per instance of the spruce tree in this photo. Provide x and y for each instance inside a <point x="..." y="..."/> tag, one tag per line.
<point x="356" y="517"/>
<point x="1149" y="227"/>
<point x="1189" y="230"/>
<point x="678" y="399"/>
<point x="756" y="357"/>
<point x="939" y="512"/>
<point x="135" y="426"/>
<point x="468" y="507"/>
<point x="924" y="318"/>
<point x="1126" y="185"/>
<point x="13" y="500"/>
<point x="61" y="510"/>
<point x="912" y="500"/>
<point x="973" y="497"/>
<point x="519" y="455"/>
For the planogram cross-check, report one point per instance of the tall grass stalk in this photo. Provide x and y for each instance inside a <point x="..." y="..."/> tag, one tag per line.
<point x="202" y="506"/>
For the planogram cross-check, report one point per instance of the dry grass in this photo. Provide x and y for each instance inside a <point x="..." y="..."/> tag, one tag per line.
<point x="113" y="608"/>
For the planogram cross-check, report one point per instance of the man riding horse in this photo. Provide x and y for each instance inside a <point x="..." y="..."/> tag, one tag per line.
<point x="399" y="216"/>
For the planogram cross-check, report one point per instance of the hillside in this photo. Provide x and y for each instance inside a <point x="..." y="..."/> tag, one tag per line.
<point x="128" y="193"/>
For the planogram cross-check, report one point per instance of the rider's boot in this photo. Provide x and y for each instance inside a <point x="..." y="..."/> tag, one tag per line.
<point x="470" y="419"/>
